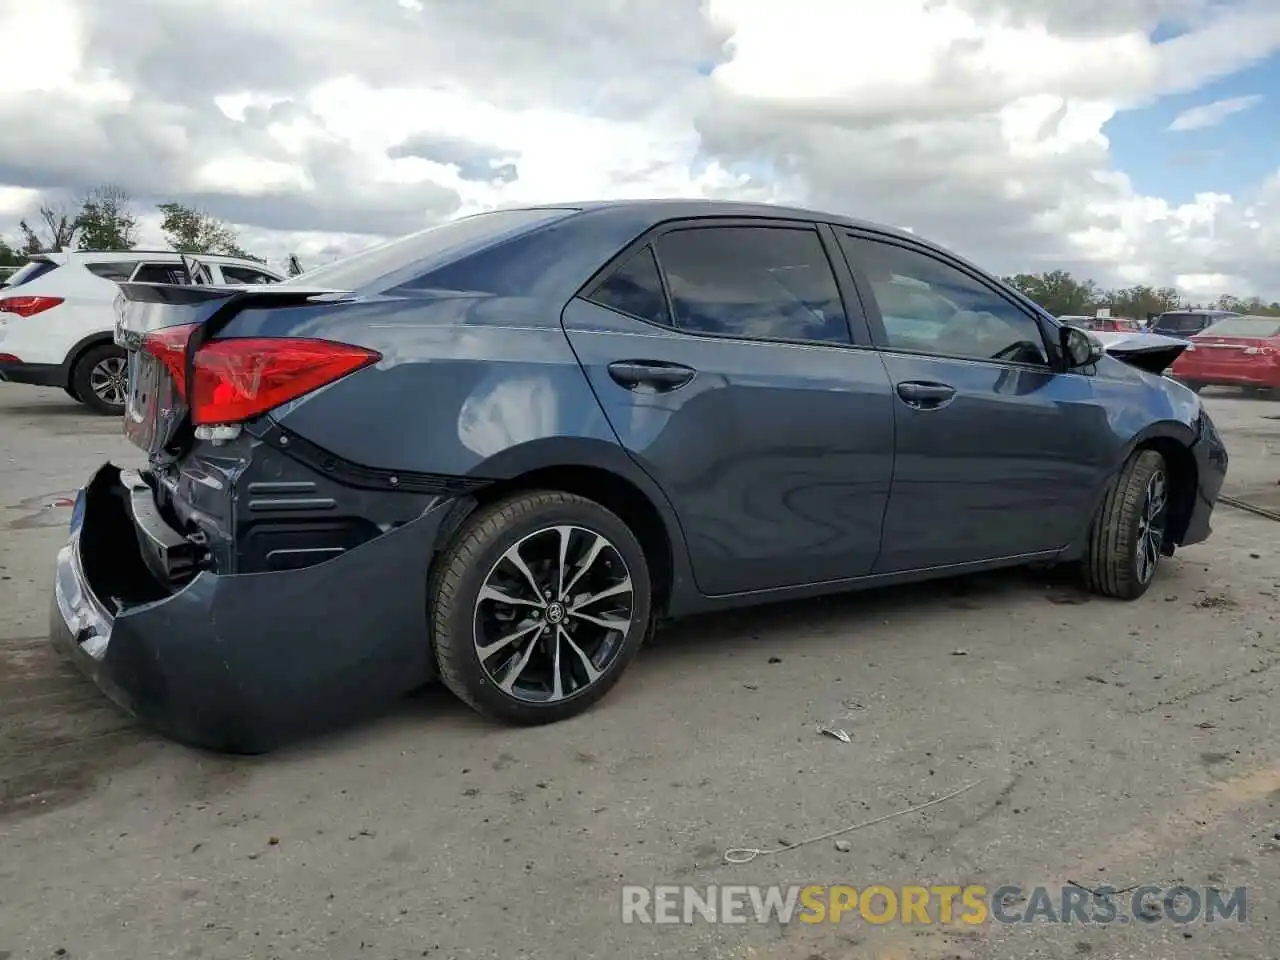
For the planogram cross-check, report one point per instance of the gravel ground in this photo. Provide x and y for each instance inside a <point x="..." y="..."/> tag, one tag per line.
<point x="1114" y="743"/>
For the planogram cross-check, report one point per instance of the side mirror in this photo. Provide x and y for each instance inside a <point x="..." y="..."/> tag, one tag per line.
<point x="1080" y="348"/>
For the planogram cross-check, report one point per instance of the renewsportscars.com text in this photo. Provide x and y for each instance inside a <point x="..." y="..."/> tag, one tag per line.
<point x="934" y="904"/>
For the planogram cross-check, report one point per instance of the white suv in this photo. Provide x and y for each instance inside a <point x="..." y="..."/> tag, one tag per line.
<point x="57" y="319"/>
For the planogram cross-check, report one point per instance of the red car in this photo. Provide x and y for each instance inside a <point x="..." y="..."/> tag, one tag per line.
<point x="1235" y="352"/>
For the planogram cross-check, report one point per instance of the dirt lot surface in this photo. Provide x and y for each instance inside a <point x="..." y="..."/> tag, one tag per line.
<point x="1118" y="744"/>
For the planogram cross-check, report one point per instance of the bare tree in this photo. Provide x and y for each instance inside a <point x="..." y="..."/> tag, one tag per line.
<point x="60" y="229"/>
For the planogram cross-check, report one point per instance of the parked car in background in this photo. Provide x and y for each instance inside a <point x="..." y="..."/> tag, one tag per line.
<point x="1108" y="324"/>
<point x="57" y="316"/>
<point x="1187" y="323"/>
<point x="1240" y="351"/>
<point x="497" y="451"/>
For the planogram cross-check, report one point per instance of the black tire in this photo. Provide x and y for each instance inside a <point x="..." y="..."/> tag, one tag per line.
<point x="1195" y="386"/>
<point x="71" y="392"/>
<point x="1112" y="566"/>
<point x="476" y="552"/>
<point x="85" y="377"/>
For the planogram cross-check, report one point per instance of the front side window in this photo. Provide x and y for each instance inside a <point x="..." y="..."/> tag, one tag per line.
<point x="929" y="306"/>
<point x="772" y="283"/>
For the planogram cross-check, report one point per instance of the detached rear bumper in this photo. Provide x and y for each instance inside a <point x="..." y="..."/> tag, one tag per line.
<point x="1211" y="470"/>
<point x="241" y="663"/>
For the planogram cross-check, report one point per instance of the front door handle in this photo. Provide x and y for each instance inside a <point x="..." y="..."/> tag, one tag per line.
<point x="924" y="395"/>
<point x="657" y="374"/>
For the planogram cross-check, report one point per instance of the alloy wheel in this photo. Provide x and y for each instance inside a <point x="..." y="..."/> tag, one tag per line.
<point x="109" y="381"/>
<point x="553" y="614"/>
<point x="1151" y="526"/>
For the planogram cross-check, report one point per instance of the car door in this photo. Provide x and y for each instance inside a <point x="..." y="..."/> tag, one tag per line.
<point x="997" y="455"/>
<point x="722" y="354"/>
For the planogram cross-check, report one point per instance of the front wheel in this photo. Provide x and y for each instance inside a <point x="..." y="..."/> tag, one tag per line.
<point x="100" y="379"/>
<point x="538" y="605"/>
<point x="1127" y="538"/>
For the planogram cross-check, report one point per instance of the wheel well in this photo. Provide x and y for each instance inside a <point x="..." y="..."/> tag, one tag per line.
<point x="79" y="352"/>
<point x="1183" y="481"/>
<point x="614" y="493"/>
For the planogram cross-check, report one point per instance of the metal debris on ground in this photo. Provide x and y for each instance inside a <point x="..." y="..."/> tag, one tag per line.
<point x="838" y="734"/>
<point x="747" y="854"/>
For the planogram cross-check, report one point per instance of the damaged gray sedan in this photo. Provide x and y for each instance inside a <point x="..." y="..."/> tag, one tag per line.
<point x="496" y="452"/>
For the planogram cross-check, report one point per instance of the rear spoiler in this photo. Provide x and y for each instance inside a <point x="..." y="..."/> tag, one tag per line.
<point x="144" y="307"/>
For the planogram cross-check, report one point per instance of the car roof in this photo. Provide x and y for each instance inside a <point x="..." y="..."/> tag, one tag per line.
<point x="106" y="256"/>
<point x="649" y="213"/>
<point x="679" y="208"/>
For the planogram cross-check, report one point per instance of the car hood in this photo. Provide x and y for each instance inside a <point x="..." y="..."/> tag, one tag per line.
<point x="1152" y="352"/>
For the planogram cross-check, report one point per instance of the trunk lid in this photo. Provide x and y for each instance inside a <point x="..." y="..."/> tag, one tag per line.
<point x="160" y="326"/>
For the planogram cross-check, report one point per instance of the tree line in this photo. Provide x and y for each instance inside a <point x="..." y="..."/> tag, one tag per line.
<point x="1063" y="295"/>
<point x="104" y="219"/>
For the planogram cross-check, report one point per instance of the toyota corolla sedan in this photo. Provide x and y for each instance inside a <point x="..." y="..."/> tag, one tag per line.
<point x="1235" y="352"/>
<point x="496" y="452"/>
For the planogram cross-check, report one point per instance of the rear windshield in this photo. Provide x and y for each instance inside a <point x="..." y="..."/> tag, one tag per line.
<point x="1182" y="322"/>
<point x="1261" y="327"/>
<point x="430" y="248"/>
<point x="36" y="268"/>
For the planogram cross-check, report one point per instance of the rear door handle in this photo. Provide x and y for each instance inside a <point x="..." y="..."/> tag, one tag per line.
<point x="651" y="373"/>
<point x="925" y="396"/>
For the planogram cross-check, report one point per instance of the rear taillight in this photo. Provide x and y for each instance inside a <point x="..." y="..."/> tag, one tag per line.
<point x="169" y="346"/>
<point x="240" y="378"/>
<point x="28" y="306"/>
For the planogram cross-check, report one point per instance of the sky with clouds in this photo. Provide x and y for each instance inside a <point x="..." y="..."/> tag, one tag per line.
<point x="1132" y="141"/>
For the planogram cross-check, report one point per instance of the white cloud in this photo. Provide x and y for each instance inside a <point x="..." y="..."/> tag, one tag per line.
<point x="323" y="127"/>
<point x="1212" y="114"/>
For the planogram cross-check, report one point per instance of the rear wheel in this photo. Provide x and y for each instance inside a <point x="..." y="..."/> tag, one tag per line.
<point x="1195" y="386"/>
<point x="100" y="379"/>
<point x="1127" y="539"/>
<point x="539" y="604"/>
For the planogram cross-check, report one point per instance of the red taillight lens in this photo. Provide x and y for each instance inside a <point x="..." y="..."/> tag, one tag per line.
<point x="169" y="346"/>
<point x="242" y="378"/>
<point x="28" y="306"/>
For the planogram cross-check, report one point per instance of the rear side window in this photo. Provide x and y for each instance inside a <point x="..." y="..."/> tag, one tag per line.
<point x="161" y="273"/>
<point x="772" y="283"/>
<point x="636" y="289"/>
<point x="246" y="275"/>
<point x="34" y="269"/>
<point x="119" y="271"/>
<point x="429" y="249"/>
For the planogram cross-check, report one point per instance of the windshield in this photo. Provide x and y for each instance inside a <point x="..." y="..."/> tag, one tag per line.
<point x="1262" y="328"/>
<point x="431" y="248"/>
<point x="1182" y="322"/>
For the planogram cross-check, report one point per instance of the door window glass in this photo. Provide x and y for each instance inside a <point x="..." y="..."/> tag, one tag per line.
<point x="161" y="273"/>
<point x="753" y="282"/>
<point x="929" y="306"/>
<point x="246" y="275"/>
